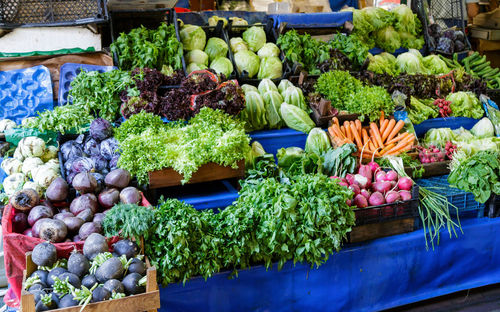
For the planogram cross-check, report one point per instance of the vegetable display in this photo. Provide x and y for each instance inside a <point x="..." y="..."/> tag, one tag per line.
<point x="92" y="276"/>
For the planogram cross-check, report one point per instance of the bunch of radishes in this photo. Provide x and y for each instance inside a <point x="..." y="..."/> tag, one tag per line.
<point x="450" y="148"/>
<point x="444" y="107"/>
<point x="373" y="187"/>
<point x="430" y="154"/>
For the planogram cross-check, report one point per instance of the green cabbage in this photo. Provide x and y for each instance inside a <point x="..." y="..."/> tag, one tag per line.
<point x="284" y="84"/>
<point x="377" y="17"/>
<point x="193" y="67"/>
<point x="269" y="49"/>
<point x="216" y="47"/>
<point x="197" y="56"/>
<point x="410" y="63"/>
<point x="255" y="37"/>
<point x="439" y="136"/>
<point x="465" y="104"/>
<point x="317" y="141"/>
<point x="247" y="88"/>
<point x="238" y="44"/>
<point x="266" y="85"/>
<point x="296" y="118"/>
<point x="247" y="61"/>
<point x="410" y="41"/>
<point x="388" y="39"/>
<point x="462" y="134"/>
<point x="287" y="156"/>
<point x="483" y="128"/>
<point x="222" y="65"/>
<point x="256" y="151"/>
<point x="272" y="102"/>
<point x="435" y="65"/>
<point x="192" y="38"/>
<point x="214" y="20"/>
<point x="294" y="96"/>
<point x="254" y="113"/>
<point x="405" y="19"/>
<point x="475" y="145"/>
<point x="270" y="67"/>
<point x="383" y="63"/>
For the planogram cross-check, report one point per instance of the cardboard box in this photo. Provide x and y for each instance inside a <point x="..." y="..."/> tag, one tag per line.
<point x="484" y="33"/>
<point x="488" y="20"/>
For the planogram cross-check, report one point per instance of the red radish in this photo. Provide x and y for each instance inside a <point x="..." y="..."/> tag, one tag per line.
<point x="360" y="201"/>
<point x="350" y="178"/>
<point x="374" y="166"/>
<point x="365" y="193"/>
<point x="380" y="176"/>
<point x="392" y="197"/>
<point x="348" y="202"/>
<point x="382" y="186"/>
<point x="405" y="184"/>
<point x="393" y="184"/>
<point x="362" y="181"/>
<point x="405" y="195"/>
<point x="366" y="172"/>
<point x="335" y="178"/>
<point x="391" y="176"/>
<point x="343" y="183"/>
<point x="355" y="189"/>
<point x="376" y="199"/>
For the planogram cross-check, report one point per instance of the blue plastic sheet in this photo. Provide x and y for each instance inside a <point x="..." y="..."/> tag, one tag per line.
<point x="273" y="140"/>
<point x="370" y="276"/>
<point x="333" y="19"/>
<point x="23" y="92"/>
<point x="201" y="18"/>
<point x="448" y="122"/>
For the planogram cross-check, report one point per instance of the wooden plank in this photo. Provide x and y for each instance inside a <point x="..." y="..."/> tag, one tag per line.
<point x="376" y="230"/>
<point x="485" y="33"/>
<point x="432" y="169"/>
<point x="206" y="173"/>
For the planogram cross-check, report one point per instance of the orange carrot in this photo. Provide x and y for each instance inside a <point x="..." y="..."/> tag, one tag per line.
<point x="398" y="138"/>
<point x="365" y="136"/>
<point x="405" y="148"/>
<point x="388" y="129"/>
<point x="337" y="131"/>
<point x="383" y="125"/>
<point x="348" y="132"/>
<point x="342" y="129"/>
<point x="396" y="129"/>
<point x="402" y="144"/>
<point x="358" y="126"/>
<point x="388" y="147"/>
<point x="336" y="121"/>
<point x="382" y="117"/>
<point x="376" y="134"/>
<point x="356" y="136"/>
<point x="372" y="147"/>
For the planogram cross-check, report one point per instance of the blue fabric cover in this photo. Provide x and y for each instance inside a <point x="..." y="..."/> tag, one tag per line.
<point x="295" y="20"/>
<point x="370" y="276"/>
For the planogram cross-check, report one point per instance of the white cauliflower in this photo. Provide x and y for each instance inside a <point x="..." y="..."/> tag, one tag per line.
<point x="6" y="124"/>
<point x="50" y="153"/>
<point x="31" y="163"/>
<point x="32" y="147"/>
<point x="13" y="183"/>
<point x="11" y="166"/>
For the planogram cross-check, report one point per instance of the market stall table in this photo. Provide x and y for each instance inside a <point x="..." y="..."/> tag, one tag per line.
<point x="371" y="276"/>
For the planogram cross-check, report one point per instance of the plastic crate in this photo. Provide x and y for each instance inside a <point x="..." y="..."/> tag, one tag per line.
<point x="389" y="212"/>
<point x="448" y="122"/>
<point x="68" y="72"/>
<point x="464" y="201"/>
<point x="273" y="140"/>
<point x="31" y="13"/>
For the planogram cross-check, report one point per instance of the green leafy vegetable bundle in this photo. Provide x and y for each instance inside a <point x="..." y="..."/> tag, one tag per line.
<point x="210" y="136"/>
<point x="152" y="48"/>
<point x="349" y="94"/>
<point x="479" y="174"/>
<point x="62" y="119"/>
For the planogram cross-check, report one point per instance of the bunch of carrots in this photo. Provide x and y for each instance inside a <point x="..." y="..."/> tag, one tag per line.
<point x="373" y="141"/>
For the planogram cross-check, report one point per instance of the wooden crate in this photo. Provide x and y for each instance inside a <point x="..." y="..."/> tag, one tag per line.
<point x="148" y="301"/>
<point x="371" y="231"/>
<point x="206" y="173"/>
<point x="432" y="169"/>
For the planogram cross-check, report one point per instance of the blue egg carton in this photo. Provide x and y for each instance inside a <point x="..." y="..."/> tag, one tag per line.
<point x="69" y="71"/>
<point x="273" y="140"/>
<point x="24" y="92"/>
<point x="464" y="201"/>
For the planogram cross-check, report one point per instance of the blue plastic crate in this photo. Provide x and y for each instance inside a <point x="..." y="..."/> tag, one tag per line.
<point x="448" y="122"/>
<point x="69" y="71"/>
<point x="464" y="201"/>
<point x="273" y="140"/>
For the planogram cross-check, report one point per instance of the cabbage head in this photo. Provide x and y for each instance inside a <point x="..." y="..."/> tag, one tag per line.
<point x="247" y="88"/>
<point x="439" y="136"/>
<point x="270" y="67"/>
<point x="272" y="102"/>
<point x="255" y="37"/>
<point x="294" y="96"/>
<point x="238" y="44"/>
<point x="435" y="65"/>
<point x="377" y="17"/>
<point x="462" y="134"/>
<point x="465" y="104"/>
<point x="410" y="63"/>
<point x="194" y="67"/>
<point x="287" y="156"/>
<point x="383" y="63"/>
<point x="197" y="56"/>
<point x="222" y="65"/>
<point x="266" y="85"/>
<point x="269" y="49"/>
<point x="214" y="20"/>
<point x="405" y="19"/>
<point x="193" y="37"/>
<point x="284" y="84"/>
<point x="254" y="114"/>
<point x="388" y="39"/>
<point x="296" y="118"/>
<point x="216" y="47"/>
<point x="247" y="61"/>
<point x="483" y="128"/>
<point x="317" y="141"/>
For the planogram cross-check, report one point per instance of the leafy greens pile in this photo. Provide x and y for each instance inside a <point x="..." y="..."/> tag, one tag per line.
<point x="349" y="94"/>
<point x="153" y="48"/>
<point x="210" y="136"/>
<point x="479" y="174"/>
<point x="62" y="119"/>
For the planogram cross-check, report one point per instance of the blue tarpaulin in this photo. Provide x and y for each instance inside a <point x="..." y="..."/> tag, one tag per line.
<point x="333" y="19"/>
<point x="370" y="276"/>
